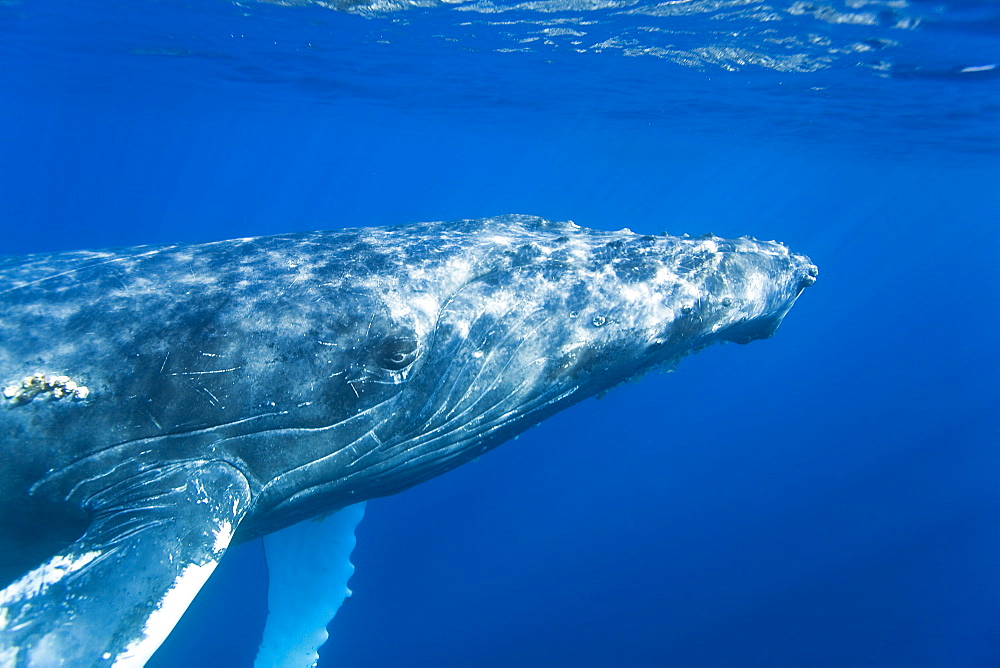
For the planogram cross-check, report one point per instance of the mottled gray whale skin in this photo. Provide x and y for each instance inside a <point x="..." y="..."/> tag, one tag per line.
<point x="163" y="401"/>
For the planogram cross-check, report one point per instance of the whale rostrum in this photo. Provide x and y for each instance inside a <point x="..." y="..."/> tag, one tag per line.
<point x="162" y="402"/>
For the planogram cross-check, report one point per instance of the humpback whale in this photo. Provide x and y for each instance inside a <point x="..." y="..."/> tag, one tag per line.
<point x="160" y="403"/>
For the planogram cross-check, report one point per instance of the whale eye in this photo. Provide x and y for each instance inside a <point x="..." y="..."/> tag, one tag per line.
<point x="398" y="352"/>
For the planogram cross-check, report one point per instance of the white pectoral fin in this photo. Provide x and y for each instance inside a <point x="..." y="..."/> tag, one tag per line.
<point x="113" y="596"/>
<point x="308" y="567"/>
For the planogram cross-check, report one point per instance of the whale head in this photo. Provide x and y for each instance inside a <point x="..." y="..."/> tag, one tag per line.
<point x="484" y="328"/>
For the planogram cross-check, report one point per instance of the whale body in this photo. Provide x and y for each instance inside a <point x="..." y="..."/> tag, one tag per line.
<point x="160" y="403"/>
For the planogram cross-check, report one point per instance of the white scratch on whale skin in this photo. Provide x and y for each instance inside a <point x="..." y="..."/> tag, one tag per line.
<point x="202" y="373"/>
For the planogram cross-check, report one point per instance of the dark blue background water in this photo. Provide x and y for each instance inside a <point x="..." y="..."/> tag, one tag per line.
<point x="826" y="498"/>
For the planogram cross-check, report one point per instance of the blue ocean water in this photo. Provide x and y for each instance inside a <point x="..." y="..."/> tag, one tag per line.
<point x="830" y="497"/>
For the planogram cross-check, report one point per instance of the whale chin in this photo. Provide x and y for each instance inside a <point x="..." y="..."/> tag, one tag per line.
<point x="753" y="330"/>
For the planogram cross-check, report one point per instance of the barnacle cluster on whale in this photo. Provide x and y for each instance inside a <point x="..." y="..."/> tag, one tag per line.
<point x="44" y="385"/>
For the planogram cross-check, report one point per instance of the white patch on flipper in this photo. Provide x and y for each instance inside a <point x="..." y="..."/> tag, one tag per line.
<point x="37" y="581"/>
<point x="308" y="567"/>
<point x="222" y="537"/>
<point x="162" y="620"/>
